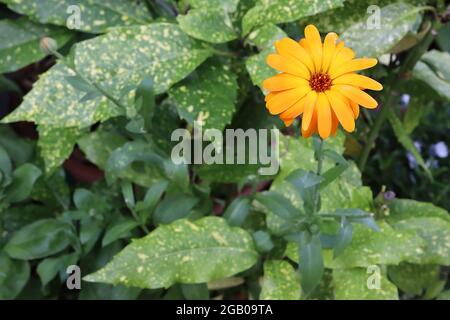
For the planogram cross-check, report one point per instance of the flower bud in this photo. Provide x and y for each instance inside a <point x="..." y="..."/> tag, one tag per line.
<point x="48" y="45"/>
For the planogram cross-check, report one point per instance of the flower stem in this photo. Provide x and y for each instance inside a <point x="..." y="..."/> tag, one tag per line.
<point x="319" y="158"/>
<point x="411" y="60"/>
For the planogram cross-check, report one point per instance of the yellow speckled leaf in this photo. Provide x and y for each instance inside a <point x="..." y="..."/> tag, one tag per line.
<point x="280" y="281"/>
<point x="181" y="252"/>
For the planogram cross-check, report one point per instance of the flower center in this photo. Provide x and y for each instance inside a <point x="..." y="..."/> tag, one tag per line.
<point x="320" y="82"/>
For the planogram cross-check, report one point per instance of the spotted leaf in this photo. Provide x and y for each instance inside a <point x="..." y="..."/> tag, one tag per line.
<point x="372" y="39"/>
<point x="355" y="284"/>
<point x="94" y="16"/>
<point x="279" y="11"/>
<point x="126" y="56"/>
<point x="226" y="5"/>
<point x="23" y="48"/>
<point x="280" y="281"/>
<point x="56" y="144"/>
<point x="181" y="252"/>
<point x="207" y="97"/>
<point x="263" y="38"/>
<point x="211" y="25"/>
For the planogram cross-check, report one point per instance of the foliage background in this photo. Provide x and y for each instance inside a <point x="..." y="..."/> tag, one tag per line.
<point x="85" y="156"/>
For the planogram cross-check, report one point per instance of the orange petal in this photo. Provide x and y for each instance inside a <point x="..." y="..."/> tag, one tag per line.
<point x="284" y="81"/>
<point x="358" y="80"/>
<point x="344" y="55"/>
<point x="351" y="66"/>
<point x="308" y="132"/>
<point x="355" y="108"/>
<point x="342" y="110"/>
<point x="269" y="96"/>
<point x="285" y="99"/>
<point x="329" y="46"/>
<point x="334" y="123"/>
<point x="288" y="65"/>
<point x="294" y="111"/>
<point x="312" y="36"/>
<point x="356" y="95"/>
<point x="308" y="111"/>
<point x="323" y="116"/>
<point x="289" y="47"/>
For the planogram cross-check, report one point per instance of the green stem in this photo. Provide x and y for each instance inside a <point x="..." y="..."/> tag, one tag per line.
<point x="392" y="86"/>
<point x="319" y="157"/>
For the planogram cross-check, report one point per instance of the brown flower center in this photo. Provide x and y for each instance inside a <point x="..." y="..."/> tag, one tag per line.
<point x="320" y="82"/>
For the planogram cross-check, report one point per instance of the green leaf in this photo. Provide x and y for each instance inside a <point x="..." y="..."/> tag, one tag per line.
<point x="5" y="163"/>
<point x="440" y="63"/>
<point x="133" y="152"/>
<point x="434" y="70"/>
<point x="311" y="262"/>
<point x="266" y="36"/>
<point x="50" y="267"/>
<point x="209" y="24"/>
<point x="39" y="239"/>
<point x="436" y="233"/>
<point x="396" y="20"/>
<point x="182" y="252"/>
<point x="24" y="177"/>
<point x="228" y="173"/>
<point x="145" y="97"/>
<point x="54" y="102"/>
<point x="197" y="98"/>
<point x="174" y="206"/>
<point x="368" y="247"/>
<point x="237" y="211"/>
<point x="280" y="281"/>
<point x="344" y="238"/>
<point x="413" y="278"/>
<point x="19" y="42"/>
<point x="351" y="284"/>
<point x="56" y="144"/>
<point x="160" y="50"/>
<point x="153" y="195"/>
<point x="14" y="276"/>
<point x="406" y="141"/>
<point x="95" y="16"/>
<point x="19" y="149"/>
<point x="98" y="146"/>
<point x="118" y="231"/>
<point x="335" y="172"/>
<point x="402" y="209"/>
<point x="417" y="109"/>
<point x="263" y="241"/>
<point x="226" y="5"/>
<point x="280" y="11"/>
<point x="256" y="65"/>
<point x="278" y="204"/>
<point x="195" y="291"/>
<point x="305" y="183"/>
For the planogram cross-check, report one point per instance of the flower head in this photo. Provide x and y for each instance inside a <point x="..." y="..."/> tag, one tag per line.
<point x="318" y="80"/>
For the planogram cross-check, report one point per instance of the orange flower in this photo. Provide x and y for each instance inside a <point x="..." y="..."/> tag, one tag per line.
<point x="319" y="81"/>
